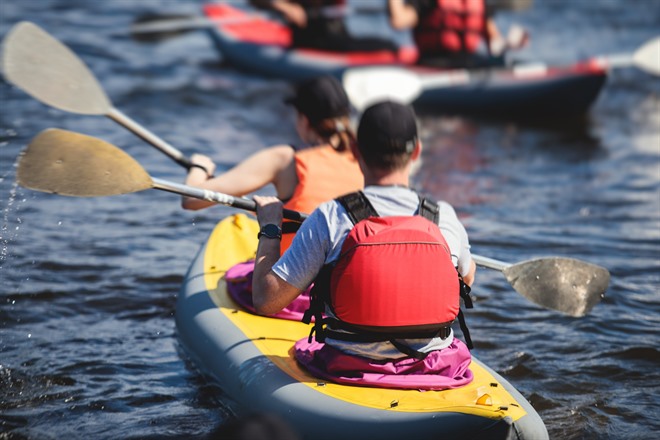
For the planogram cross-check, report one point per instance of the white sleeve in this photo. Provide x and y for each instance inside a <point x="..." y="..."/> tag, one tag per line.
<point x="456" y="236"/>
<point x="300" y="264"/>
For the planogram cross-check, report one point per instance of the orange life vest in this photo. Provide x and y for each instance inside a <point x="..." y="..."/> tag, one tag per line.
<point x="323" y="174"/>
<point x="455" y="26"/>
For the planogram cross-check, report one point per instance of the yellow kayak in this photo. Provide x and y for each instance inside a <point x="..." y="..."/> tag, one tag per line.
<point x="251" y="358"/>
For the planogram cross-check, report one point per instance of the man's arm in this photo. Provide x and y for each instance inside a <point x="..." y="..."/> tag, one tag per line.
<point x="456" y="237"/>
<point x="270" y="293"/>
<point x="469" y="277"/>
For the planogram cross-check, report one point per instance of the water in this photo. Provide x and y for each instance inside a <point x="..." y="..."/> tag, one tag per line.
<point x="88" y="343"/>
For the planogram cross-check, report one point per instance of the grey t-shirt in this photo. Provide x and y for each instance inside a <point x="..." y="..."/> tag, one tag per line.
<point x="319" y="242"/>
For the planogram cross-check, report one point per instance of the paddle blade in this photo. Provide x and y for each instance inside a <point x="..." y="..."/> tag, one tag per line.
<point x="368" y="85"/>
<point x="72" y="164"/>
<point x="647" y="57"/>
<point x="49" y="71"/>
<point x="567" y="285"/>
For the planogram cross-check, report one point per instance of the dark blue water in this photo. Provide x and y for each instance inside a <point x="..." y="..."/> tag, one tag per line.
<point x="88" y="345"/>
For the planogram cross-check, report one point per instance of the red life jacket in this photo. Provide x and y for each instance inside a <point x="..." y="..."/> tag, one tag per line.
<point x="455" y="26"/>
<point x="394" y="279"/>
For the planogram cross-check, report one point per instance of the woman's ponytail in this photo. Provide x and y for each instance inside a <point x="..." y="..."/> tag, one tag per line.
<point x="340" y="128"/>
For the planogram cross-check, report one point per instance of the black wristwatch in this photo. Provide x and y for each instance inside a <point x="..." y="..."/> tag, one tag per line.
<point x="270" y="231"/>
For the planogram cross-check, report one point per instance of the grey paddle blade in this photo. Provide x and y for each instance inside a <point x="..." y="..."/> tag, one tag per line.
<point x="49" y="71"/>
<point x="72" y="164"/>
<point x="567" y="285"/>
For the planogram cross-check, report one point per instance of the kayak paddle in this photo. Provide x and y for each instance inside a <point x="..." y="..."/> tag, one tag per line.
<point x="50" y="72"/>
<point x="567" y="285"/>
<point x="366" y="85"/>
<point x="72" y="164"/>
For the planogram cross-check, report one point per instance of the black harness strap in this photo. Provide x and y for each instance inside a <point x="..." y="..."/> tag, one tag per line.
<point x="467" y="300"/>
<point x="364" y="336"/>
<point x="429" y="210"/>
<point x="377" y="334"/>
<point x="411" y="352"/>
<point x="319" y="297"/>
<point x="357" y="206"/>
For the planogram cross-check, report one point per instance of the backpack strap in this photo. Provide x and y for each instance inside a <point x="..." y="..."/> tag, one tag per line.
<point x="429" y="210"/>
<point x="319" y="296"/>
<point x="467" y="300"/>
<point x="358" y="206"/>
<point x="442" y="331"/>
<point x="403" y="348"/>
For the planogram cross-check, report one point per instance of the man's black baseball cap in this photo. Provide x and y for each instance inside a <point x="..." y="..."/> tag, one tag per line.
<point x="387" y="128"/>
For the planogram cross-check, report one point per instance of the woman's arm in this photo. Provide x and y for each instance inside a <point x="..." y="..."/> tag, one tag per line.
<point x="274" y="165"/>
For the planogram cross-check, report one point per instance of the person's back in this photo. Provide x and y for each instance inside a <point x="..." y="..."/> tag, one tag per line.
<point x="385" y="163"/>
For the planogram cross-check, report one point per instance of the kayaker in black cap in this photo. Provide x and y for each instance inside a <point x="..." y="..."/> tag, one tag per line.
<point x="302" y="178"/>
<point x="387" y="277"/>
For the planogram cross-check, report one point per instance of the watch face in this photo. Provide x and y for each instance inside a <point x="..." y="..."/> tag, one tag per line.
<point x="271" y="231"/>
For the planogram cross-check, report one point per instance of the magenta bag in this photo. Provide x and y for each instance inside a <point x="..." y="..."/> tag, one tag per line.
<point x="440" y="370"/>
<point x="239" y="287"/>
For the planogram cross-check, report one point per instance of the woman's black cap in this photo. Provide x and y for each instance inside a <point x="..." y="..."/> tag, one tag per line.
<point x="320" y="98"/>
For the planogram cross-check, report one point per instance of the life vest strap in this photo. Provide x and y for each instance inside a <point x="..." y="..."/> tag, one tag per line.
<point x="408" y="351"/>
<point x="359" y="333"/>
<point x="357" y="206"/>
<point x="464" y="329"/>
<point x="429" y="210"/>
<point x="366" y="336"/>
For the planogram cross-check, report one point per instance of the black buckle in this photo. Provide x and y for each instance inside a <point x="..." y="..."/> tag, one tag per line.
<point x="444" y="332"/>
